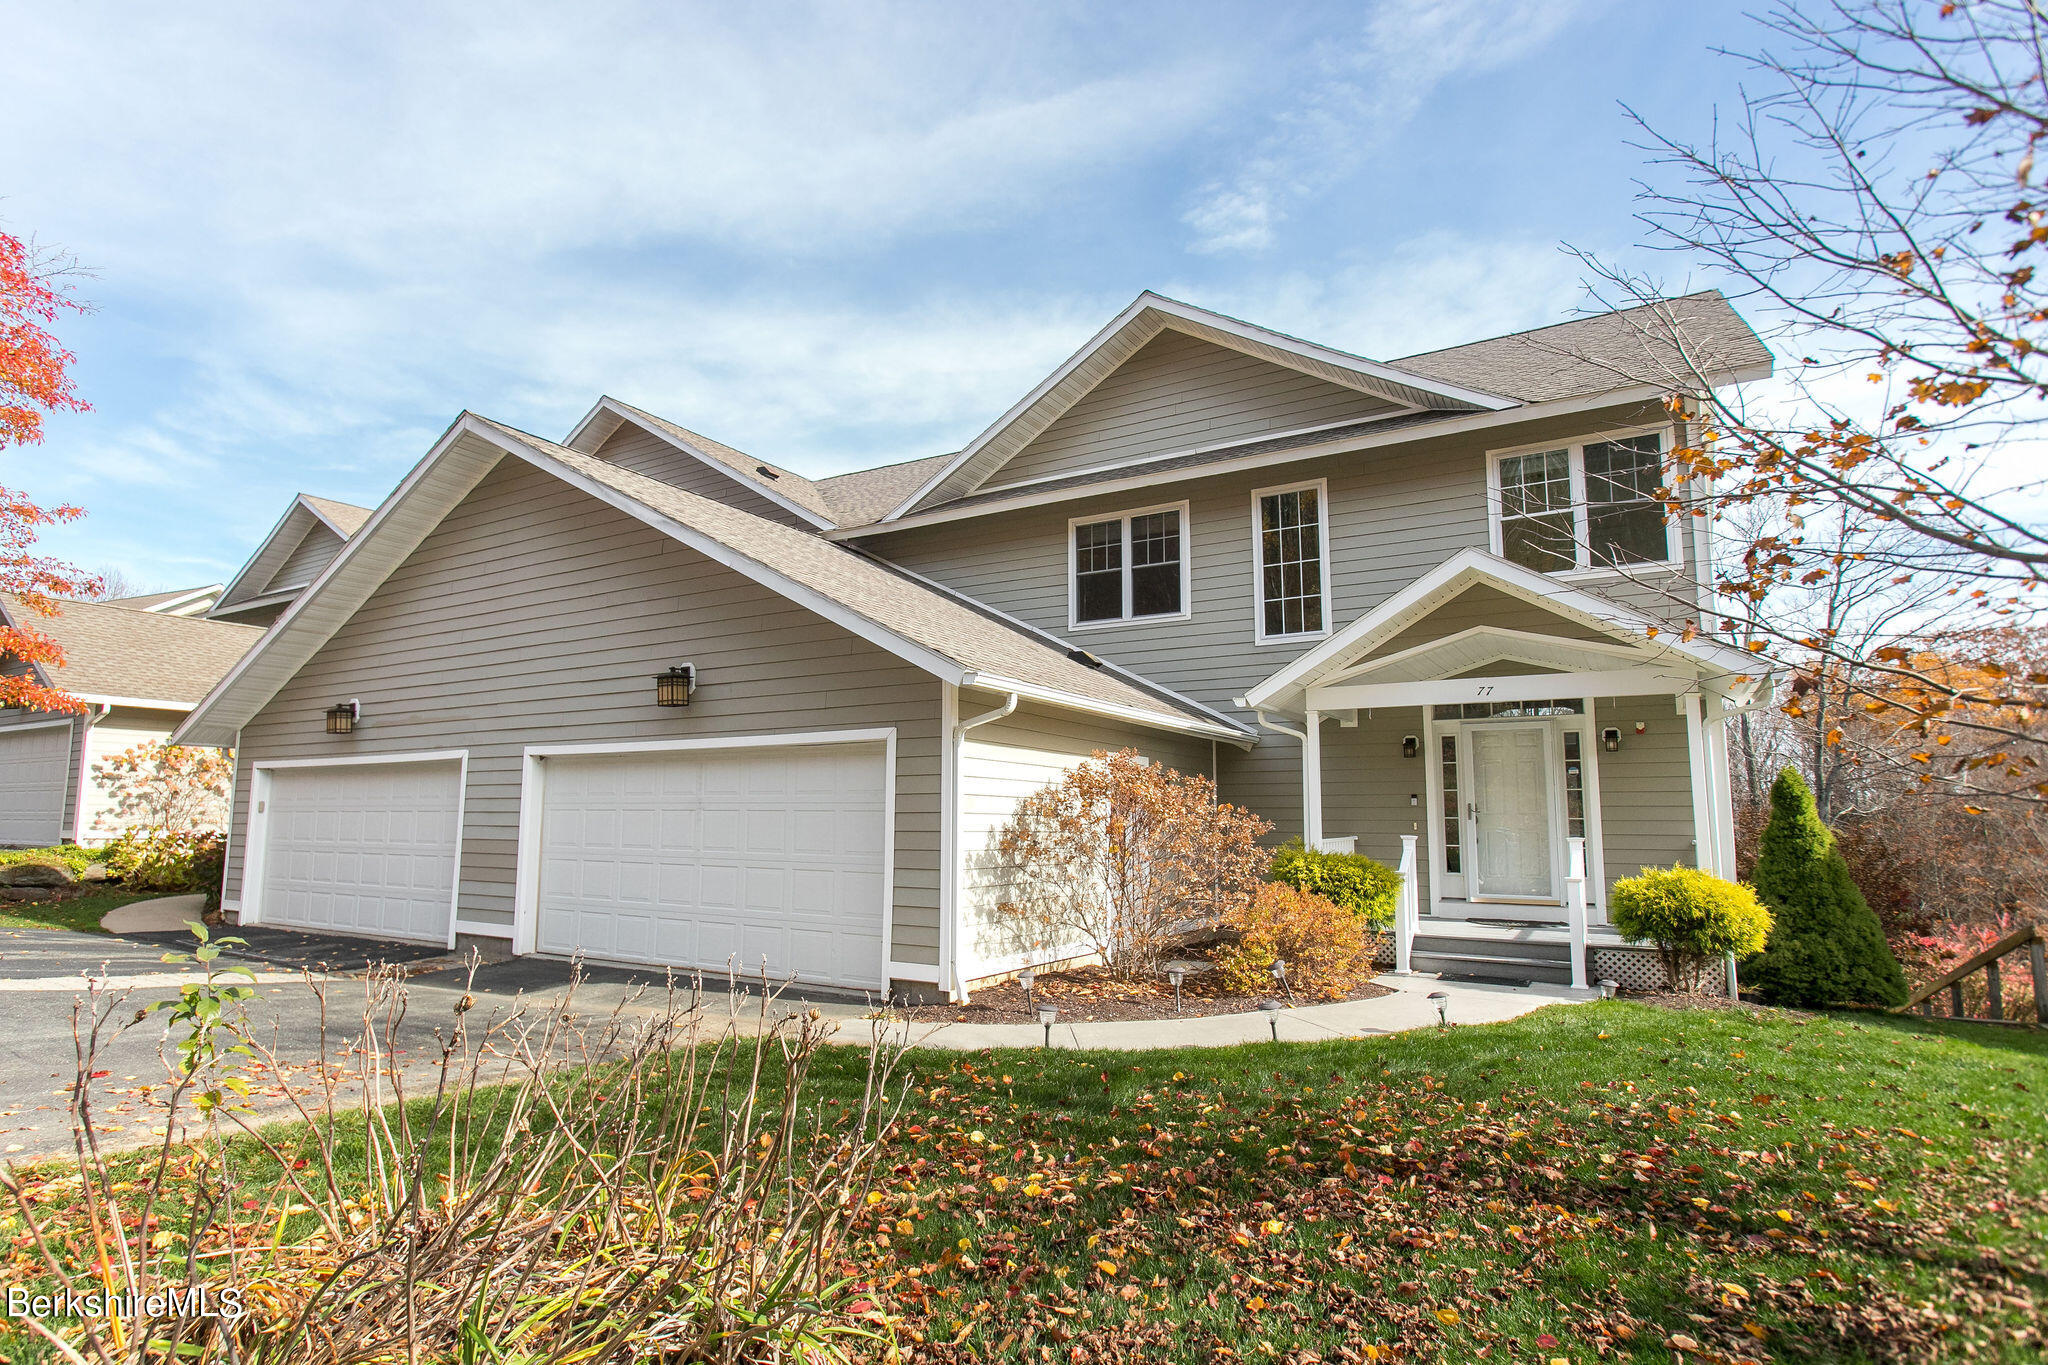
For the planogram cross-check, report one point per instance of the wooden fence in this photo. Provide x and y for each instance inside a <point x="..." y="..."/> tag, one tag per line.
<point x="2032" y="938"/>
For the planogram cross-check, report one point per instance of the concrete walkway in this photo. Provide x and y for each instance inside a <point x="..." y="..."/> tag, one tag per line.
<point x="1408" y="1007"/>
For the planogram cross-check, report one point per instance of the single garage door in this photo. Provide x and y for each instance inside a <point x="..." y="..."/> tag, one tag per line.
<point x="34" y="764"/>
<point x="362" y="848"/>
<point x="698" y="858"/>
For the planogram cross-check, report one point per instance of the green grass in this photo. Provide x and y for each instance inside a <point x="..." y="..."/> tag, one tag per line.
<point x="82" y="914"/>
<point x="1609" y="1181"/>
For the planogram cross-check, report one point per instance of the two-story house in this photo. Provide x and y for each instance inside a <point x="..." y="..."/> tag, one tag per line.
<point x="641" y="696"/>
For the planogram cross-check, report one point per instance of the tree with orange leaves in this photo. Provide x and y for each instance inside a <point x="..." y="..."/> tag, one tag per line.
<point x="35" y="380"/>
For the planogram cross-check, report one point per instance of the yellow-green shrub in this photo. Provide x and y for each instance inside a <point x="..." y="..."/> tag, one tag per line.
<point x="1327" y="948"/>
<point x="1692" y="916"/>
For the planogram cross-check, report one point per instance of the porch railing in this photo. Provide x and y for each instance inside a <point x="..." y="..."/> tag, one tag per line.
<point x="1575" y="908"/>
<point x="1407" y="909"/>
<point x="2032" y="937"/>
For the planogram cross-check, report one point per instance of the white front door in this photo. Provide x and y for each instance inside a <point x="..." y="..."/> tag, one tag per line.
<point x="1510" y="813"/>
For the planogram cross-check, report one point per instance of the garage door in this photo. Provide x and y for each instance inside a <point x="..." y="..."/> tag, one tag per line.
<point x="34" y="764"/>
<point x="362" y="848"/>
<point x="705" y="857"/>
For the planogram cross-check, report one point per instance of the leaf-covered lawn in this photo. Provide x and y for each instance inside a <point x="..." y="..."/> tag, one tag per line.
<point x="1608" y="1181"/>
<point x="82" y="914"/>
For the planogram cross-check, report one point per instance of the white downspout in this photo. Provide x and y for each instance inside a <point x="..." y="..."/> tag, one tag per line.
<point x="955" y="878"/>
<point x="1311" y="774"/>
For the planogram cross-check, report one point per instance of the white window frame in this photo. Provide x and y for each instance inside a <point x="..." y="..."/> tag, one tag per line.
<point x="1074" y="622"/>
<point x="1582" y="544"/>
<point x="1322" y="490"/>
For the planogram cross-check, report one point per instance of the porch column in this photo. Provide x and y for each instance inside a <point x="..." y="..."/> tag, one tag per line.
<point x="1724" y="786"/>
<point x="1312" y="781"/>
<point x="1708" y="817"/>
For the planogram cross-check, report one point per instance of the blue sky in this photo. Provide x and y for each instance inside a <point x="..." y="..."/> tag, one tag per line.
<point x="832" y="236"/>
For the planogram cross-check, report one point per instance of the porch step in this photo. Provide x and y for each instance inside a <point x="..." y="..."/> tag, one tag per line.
<point x="1504" y="958"/>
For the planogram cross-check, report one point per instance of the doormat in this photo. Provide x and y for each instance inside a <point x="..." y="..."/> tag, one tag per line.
<point x="1474" y="979"/>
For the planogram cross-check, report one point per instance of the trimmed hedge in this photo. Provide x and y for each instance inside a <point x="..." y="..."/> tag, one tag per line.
<point x="69" y="856"/>
<point x="1692" y="916"/>
<point x="1352" y="880"/>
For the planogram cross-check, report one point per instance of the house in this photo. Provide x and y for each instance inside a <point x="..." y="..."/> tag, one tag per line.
<point x="139" y="664"/>
<point x="639" y="695"/>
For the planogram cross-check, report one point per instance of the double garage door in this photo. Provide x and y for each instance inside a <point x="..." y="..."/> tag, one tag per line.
<point x="35" y="763"/>
<point x="696" y="859"/>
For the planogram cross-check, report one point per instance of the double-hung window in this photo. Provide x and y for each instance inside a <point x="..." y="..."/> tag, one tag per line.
<point x="1290" y="541"/>
<point x="1588" y="505"/>
<point x="1132" y="566"/>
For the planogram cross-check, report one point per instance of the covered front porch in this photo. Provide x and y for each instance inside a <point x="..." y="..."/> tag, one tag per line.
<point x="1515" y="746"/>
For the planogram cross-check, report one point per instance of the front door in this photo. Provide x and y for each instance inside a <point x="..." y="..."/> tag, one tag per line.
<point x="1510" y="811"/>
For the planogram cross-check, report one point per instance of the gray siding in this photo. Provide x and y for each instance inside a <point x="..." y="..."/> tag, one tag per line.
<point x="536" y="615"/>
<point x="1646" y="788"/>
<point x="312" y="554"/>
<point x="1182" y="393"/>
<point x="1482" y="606"/>
<point x="645" y="453"/>
<point x="1366" y="786"/>
<point x="1394" y="515"/>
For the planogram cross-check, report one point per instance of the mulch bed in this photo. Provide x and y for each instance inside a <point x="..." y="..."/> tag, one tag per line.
<point x="1090" y="995"/>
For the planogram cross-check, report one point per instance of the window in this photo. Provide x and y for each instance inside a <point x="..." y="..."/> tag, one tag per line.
<point x="1574" y="785"/>
<point x="1292" y="570"/>
<point x="1129" y="567"/>
<point x="1593" y="505"/>
<point x="1453" y="824"/>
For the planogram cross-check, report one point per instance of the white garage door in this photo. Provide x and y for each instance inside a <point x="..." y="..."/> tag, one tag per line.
<point x="362" y="848"/>
<point x="699" y="858"/>
<point x="34" y="764"/>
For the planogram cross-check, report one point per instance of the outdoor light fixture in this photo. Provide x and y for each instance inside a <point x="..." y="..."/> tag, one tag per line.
<point x="1443" y="1008"/>
<point x="1280" y="976"/>
<point x="1608" y="986"/>
<point x="1610" y="739"/>
<point x="342" y="717"/>
<point x="1272" y="1009"/>
<point x="1027" y="979"/>
<point x="1046" y="1014"/>
<point x="673" y="688"/>
<point x="1410" y="746"/>
<point x="1174" y="974"/>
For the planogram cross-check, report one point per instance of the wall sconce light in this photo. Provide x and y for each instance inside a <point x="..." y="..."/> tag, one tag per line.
<point x="673" y="688"/>
<point x="1610" y="739"/>
<point x="342" y="717"/>
<point x="1410" y="746"/>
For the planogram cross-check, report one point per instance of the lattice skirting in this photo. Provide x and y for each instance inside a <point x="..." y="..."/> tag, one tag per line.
<point x="1640" y="969"/>
<point x="1382" y="941"/>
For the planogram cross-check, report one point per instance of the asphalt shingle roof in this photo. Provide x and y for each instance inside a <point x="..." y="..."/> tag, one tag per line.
<point x="112" y="651"/>
<point x="345" y="515"/>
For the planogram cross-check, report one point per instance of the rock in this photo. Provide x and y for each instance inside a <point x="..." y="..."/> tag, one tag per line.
<point x="34" y="874"/>
<point x="94" y="872"/>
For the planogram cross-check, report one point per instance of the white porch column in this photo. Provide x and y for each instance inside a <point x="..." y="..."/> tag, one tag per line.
<point x="1312" y="781"/>
<point x="1699" y="762"/>
<point x="1724" y="787"/>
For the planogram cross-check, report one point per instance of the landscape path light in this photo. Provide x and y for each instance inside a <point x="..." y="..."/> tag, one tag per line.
<point x="1046" y="1014"/>
<point x="1280" y="979"/>
<point x="1027" y="979"/>
<point x="1272" y="1009"/>
<point x="1175" y="973"/>
<point x="1442" y="1001"/>
<point x="1608" y="986"/>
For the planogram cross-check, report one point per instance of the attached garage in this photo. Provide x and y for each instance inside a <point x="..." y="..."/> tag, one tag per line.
<point x="35" y="768"/>
<point x="359" y="848"/>
<point x="729" y="852"/>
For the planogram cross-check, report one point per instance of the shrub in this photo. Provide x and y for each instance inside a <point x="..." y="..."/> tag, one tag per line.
<point x="1692" y="916"/>
<point x="1127" y="856"/>
<point x="168" y="862"/>
<point x="1327" y="947"/>
<point x="1826" y="947"/>
<point x="71" y="857"/>
<point x="1361" y="885"/>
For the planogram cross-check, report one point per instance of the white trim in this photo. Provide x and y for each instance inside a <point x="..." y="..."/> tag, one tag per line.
<point x="1312" y="780"/>
<point x="1699" y="766"/>
<point x="169" y="606"/>
<point x="1179" y="509"/>
<point x="1453" y="424"/>
<point x="250" y="907"/>
<point x="1584" y="569"/>
<point x="1509" y="638"/>
<point x="1168" y="311"/>
<point x="141" y="703"/>
<point x="995" y="682"/>
<point x="533" y="809"/>
<point x="70" y="719"/>
<point x="626" y="413"/>
<point x="476" y="930"/>
<point x="951" y="865"/>
<point x="1259" y="635"/>
<point x="1617" y="682"/>
<point x="84" y="773"/>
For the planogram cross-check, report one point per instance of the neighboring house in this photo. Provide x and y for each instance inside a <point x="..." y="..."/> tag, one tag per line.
<point x="140" y="663"/>
<point x="305" y="540"/>
<point x="138" y="672"/>
<point x="1376" y="601"/>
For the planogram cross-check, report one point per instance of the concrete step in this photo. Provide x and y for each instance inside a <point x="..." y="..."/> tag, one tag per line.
<point x="1468" y="963"/>
<point x="1464" y="946"/>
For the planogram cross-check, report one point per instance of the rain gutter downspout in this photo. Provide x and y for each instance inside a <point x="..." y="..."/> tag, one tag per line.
<point x="950" y="929"/>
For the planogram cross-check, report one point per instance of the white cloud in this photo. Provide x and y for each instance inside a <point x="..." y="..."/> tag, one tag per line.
<point x="1365" y="93"/>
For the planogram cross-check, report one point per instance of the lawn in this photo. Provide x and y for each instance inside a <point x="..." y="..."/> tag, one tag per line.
<point x="82" y="914"/>
<point x="1609" y="1181"/>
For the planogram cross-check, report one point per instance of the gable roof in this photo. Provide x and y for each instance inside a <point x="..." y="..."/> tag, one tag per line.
<point x="932" y="629"/>
<point x="178" y="601"/>
<point x="1148" y="316"/>
<point x="783" y="487"/>
<point x="301" y="517"/>
<point x="123" y="654"/>
<point x="1469" y="568"/>
<point x="866" y="495"/>
<point x="1676" y="343"/>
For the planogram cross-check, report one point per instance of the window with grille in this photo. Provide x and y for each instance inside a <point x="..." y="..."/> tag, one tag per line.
<point x="1129" y="567"/>
<point x="1293" y="566"/>
<point x="1590" y="505"/>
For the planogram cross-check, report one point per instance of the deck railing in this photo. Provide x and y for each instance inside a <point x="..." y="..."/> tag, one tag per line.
<point x="2032" y="938"/>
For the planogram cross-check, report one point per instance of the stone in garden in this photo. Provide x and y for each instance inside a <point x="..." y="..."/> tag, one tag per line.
<point x="34" y="874"/>
<point x="94" y="872"/>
